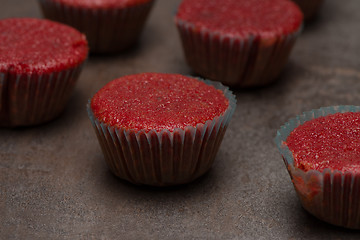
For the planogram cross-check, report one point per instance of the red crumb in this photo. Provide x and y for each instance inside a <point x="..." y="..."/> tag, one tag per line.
<point x="327" y="142"/>
<point x="157" y="101"/>
<point x="39" y="46"/>
<point x="102" y="3"/>
<point x="242" y="17"/>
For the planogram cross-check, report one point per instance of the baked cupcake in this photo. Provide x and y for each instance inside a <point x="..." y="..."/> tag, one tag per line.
<point x="309" y="7"/>
<point x="40" y="61"/>
<point x="109" y="25"/>
<point x="242" y="43"/>
<point x="160" y="129"/>
<point x="321" y="151"/>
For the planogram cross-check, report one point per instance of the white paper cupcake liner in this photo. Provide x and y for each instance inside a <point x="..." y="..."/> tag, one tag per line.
<point x="163" y="158"/>
<point x="247" y="61"/>
<point x="106" y="29"/>
<point x="331" y="196"/>
<point x="30" y="99"/>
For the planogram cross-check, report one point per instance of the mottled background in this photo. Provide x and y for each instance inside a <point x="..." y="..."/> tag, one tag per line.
<point x="54" y="183"/>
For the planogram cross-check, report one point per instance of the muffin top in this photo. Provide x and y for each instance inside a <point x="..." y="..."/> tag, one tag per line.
<point x="102" y="3"/>
<point x="39" y="46"/>
<point x="264" y="18"/>
<point x="330" y="142"/>
<point x="157" y="101"/>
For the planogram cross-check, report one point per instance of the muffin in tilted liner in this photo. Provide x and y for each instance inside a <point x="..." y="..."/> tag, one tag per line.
<point x="40" y="62"/>
<point x="321" y="150"/>
<point x="242" y="43"/>
<point x="160" y="129"/>
<point x="110" y="26"/>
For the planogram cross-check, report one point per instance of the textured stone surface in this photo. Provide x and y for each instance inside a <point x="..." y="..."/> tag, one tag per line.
<point x="54" y="183"/>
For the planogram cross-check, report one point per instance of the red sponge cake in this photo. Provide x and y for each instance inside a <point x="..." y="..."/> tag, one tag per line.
<point x="160" y="129"/>
<point x="321" y="150"/>
<point x="40" y="61"/>
<point x="157" y="102"/>
<point x="331" y="142"/>
<point x="242" y="43"/>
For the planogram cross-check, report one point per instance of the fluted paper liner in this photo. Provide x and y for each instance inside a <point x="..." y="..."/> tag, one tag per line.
<point x="246" y="61"/>
<point x="309" y="7"/>
<point x="34" y="98"/>
<point x="163" y="158"/>
<point x="107" y="29"/>
<point x="332" y="196"/>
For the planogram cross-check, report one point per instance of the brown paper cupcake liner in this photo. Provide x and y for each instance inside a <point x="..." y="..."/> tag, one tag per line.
<point x="106" y="29"/>
<point x="163" y="158"/>
<point x="247" y="61"/>
<point x="309" y="7"/>
<point x="331" y="196"/>
<point x="30" y="99"/>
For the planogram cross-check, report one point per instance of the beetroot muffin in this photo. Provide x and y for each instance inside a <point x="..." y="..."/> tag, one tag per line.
<point x="309" y="7"/>
<point x="321" y="151"/>
<point x="242" y="43"/>
<point x="40" y="62"/>
<point x="160" y="129"/>
<point x="109" y="25"/>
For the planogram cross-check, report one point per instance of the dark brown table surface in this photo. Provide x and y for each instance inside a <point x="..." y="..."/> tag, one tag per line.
<point x="54" y="183"/>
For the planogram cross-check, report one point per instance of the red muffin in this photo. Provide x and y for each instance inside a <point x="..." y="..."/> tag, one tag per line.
<point x="109" y="25"/>
<point x="40" y="62"/>
<point x="309" y="7"/>
<point x="160" y="129"/>
<point x="321" y="151"/>
<point x="242" y="43"/>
